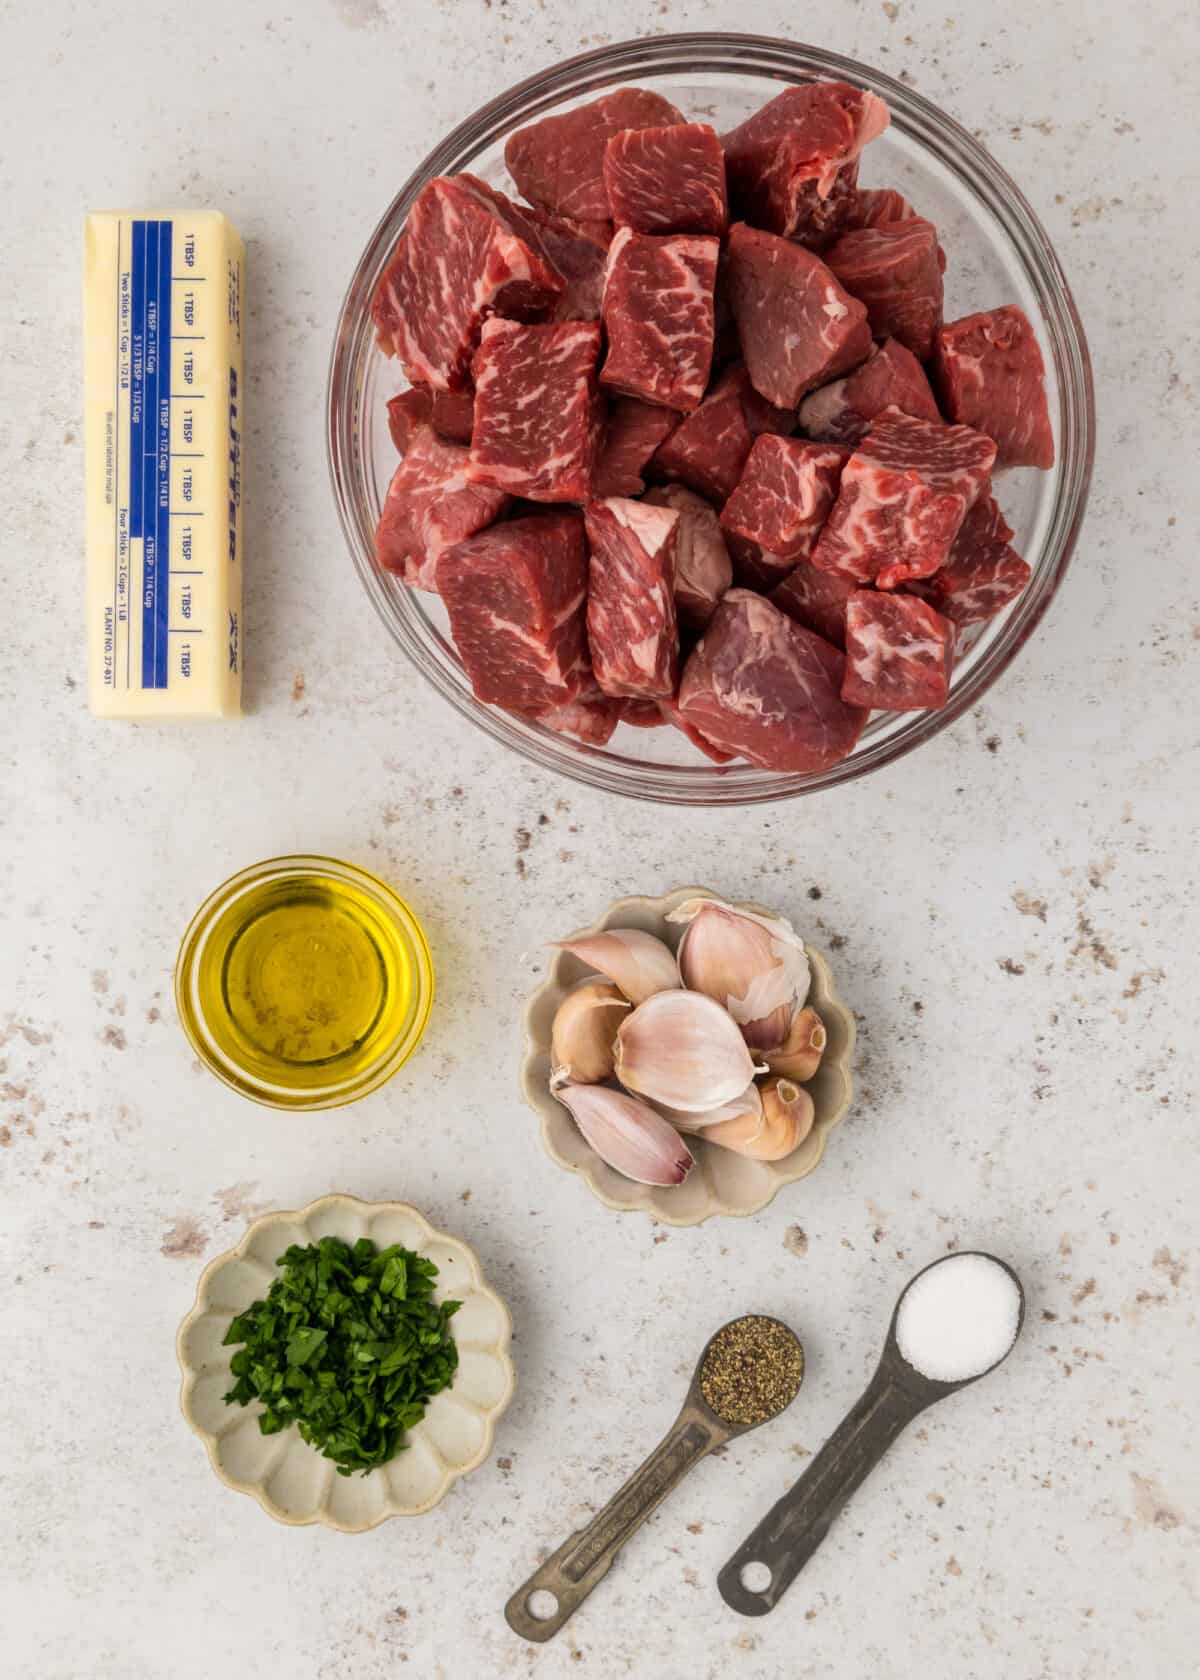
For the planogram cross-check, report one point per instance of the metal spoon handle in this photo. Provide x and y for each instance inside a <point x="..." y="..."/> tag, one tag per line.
<point x="584" y="1559"/>
<point x="795" y="1526"/>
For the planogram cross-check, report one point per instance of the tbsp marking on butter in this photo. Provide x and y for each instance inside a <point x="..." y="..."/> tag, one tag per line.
<point x="163" y="300"/>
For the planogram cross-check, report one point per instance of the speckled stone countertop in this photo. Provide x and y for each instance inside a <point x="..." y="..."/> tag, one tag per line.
<point x="1008" y="911"/>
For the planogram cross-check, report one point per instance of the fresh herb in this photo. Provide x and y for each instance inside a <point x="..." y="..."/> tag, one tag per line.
<point x="349" y="1346"/>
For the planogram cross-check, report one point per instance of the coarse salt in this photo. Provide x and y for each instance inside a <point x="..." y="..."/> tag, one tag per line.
<point x="959" y="1318"/>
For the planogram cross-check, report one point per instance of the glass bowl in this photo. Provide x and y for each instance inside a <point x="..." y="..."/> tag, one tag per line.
<point x="303" y="982"/>
<point x="998" y="253"/>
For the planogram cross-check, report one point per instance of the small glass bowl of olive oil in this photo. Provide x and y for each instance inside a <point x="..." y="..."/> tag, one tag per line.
<point x="304" y="983"/>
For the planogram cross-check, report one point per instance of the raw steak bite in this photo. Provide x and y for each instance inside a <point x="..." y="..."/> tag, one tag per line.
<point x="591" y="718"/>
<point x="631" y="623"/>
<point x="898" y="653"/>
<point x="516" y="595"/>
<point x="667" y="180"/>
<point x="876" y="207"/>
<point x="635" y="430"/>
<point x="894" y="270"/>
<point x="406" y="412"/>
<point x="798" y="326"/>
<point x="891" y="377"/>
<point x="431" y="505"/>
<point x="538" y="412"/>
<point x="815" y="599"/>
<point x="658" y="314"/>
<point x="983" y="574"/>
<point x="792" y="167"/>
<point x="903" y="496"/>
<point x="703" y="571"/>
<point x="558" y="163"/>
<point x="577" y="251"/>
<point x="708" y="450"/>
<point x="990" y="375"/>
<point x="466" y="252"/>
<point x="781" y="503"/>
<point x="765" y="688"/>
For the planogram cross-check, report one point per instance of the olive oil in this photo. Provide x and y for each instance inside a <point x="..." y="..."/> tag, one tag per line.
<point x="301" y="983"/>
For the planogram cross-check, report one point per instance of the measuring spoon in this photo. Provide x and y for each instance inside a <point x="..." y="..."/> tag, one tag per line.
<point x="570" y="1574"/>
<point x="789" y="1534"/>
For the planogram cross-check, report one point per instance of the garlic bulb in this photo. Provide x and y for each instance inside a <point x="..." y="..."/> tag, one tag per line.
<point x="637" y="963"/>
<point x="754" y="966"/>
<point x="682" y="1050"/>
<point x="799" y="1056"/>
<point x="584" y="1032"/>
<point x="628" y="1135"/>
<point x="786" y="1120"/>
<point x="749" y="1103"/>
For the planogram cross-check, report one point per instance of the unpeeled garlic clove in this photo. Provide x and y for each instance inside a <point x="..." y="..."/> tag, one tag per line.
<point x="754" y="966"/>
<point x="799" y="1056"/>
<point x="637" y="963"/>
<point x="584" y="1033"/>
<point x="749" y="1103"/>
<point x="628" y="1135"/>
<point x="682" y="1050"/>
<point x="787" y="1119"/>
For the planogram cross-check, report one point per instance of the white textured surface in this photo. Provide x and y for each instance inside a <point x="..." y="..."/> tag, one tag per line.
<point x="1010" y="909"/>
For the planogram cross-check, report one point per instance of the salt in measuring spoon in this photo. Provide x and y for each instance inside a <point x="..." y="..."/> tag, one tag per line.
<point x="715" y="1409"/>
<point x="954" y="1322"/>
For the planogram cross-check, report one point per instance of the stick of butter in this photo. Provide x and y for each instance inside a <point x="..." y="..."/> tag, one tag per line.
<point x="163" y="427"/>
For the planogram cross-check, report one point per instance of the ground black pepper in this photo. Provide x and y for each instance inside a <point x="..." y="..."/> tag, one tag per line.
<point x="752" y="1370"/>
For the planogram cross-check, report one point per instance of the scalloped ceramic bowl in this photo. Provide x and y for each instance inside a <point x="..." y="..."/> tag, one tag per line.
<point x="720" y="1182"/>
<point x="290" y="1480"/>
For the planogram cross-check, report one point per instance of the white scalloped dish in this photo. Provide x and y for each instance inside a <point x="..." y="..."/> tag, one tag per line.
<point x="720" y="1182"/>
<point x="290" y="1480"/>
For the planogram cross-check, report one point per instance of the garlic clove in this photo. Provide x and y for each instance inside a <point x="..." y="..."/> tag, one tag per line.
<point x="754" y="966"/>
<point x="637" y="963"/>
<point x="787" y="1119"/>
<point x="799" y="1056"/>
<point x="584" y="1033"/>
<point x="628" y="1135"/>
<point x="749" y="1103"/>
<point x="681" y="1049"/>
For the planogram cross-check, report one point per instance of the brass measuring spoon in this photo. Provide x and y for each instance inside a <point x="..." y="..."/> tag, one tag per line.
<point x="795" y="1526"/>
<point x="569" y="1575"/>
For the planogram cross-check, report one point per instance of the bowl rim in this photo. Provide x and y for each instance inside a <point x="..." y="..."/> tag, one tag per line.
<point x="784" y="62"/>
<point x="189" y="1374"/>
<point x="539" y="1099"/>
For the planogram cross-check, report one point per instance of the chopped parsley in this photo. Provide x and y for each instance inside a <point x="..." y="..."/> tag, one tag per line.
<point x="349" y="1346"/>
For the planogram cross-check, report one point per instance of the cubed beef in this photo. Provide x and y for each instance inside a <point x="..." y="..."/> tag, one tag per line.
<point x="516" y="595"/>
<point x="898" y="653"/>
<point x="983" y="573"/>
<point x="667" y="180"/>
<point x="894" y="270"/>
<point x="641" y="714"/>
<point x="466" y="252"/>
<point x="708" y="451"/>
<point x="591" y="718"/>
<point x="702" y="567"/>
<point x="577" y="251"/>
<point x="903" y="496"/>
<point x="876" y="207"/>
<point x="792" y="167"/>
<point x="799" y="327"/>
<point x="632" y="629"/>
<point x="761" y="686"/>
<point x="539" y="416"/>
<point x="658" y="314"/>
<point x="891" y="377"/>
<point x="430" y="505"/>
<point x="816" y="599"/>
<point x="558" y="163"/>
<point x="781" y="502"/>
<point x="991" y="376"/>
<point x="406" y="412"/>
<point x="635" y="429"/>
